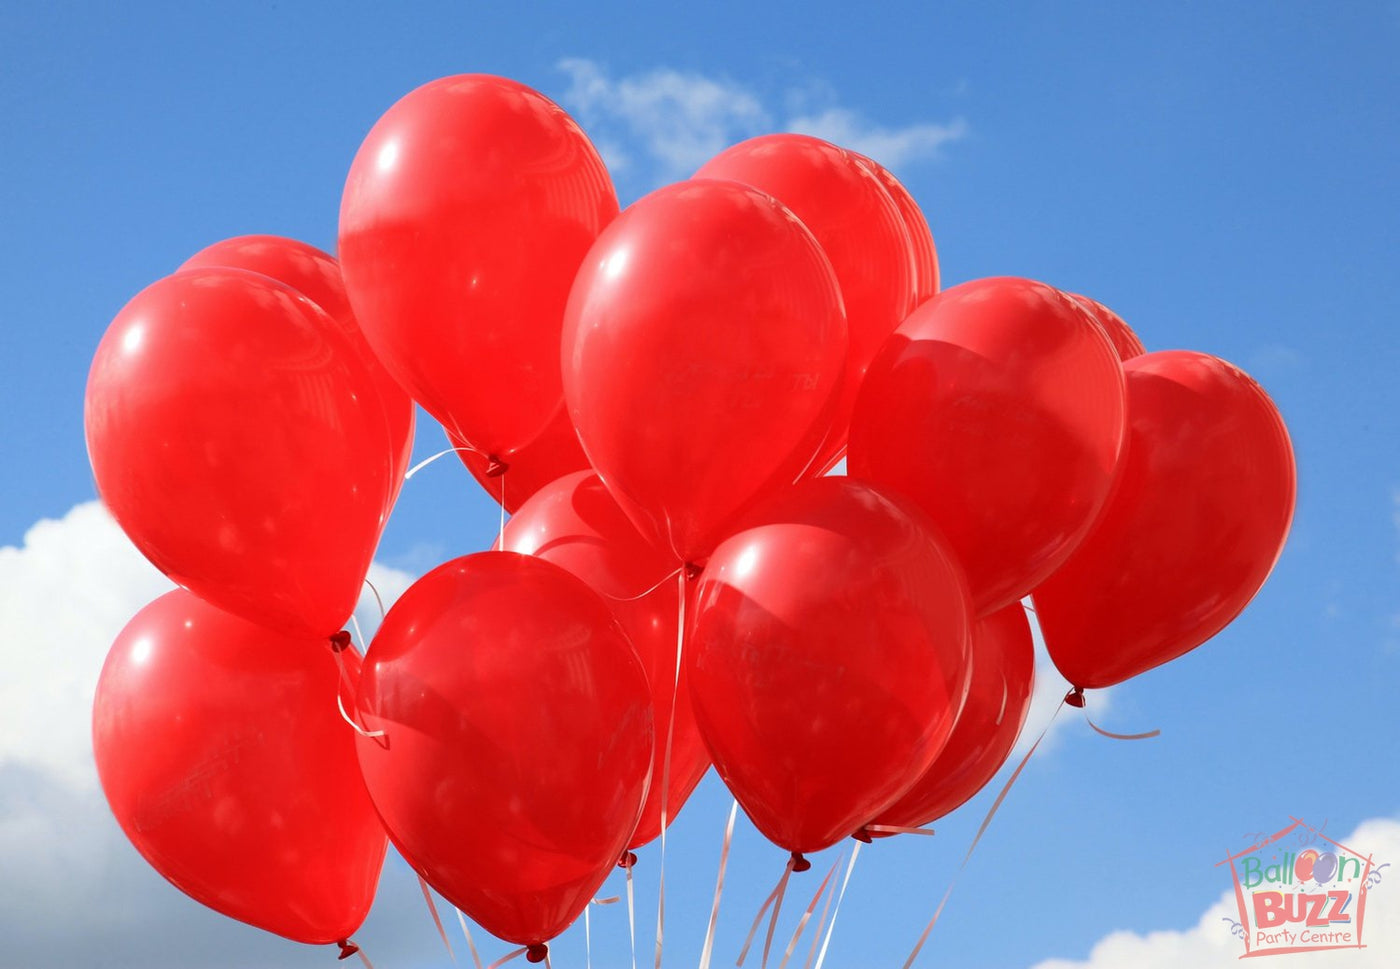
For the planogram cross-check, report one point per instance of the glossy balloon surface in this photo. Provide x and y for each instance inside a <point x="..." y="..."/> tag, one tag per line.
<point x="828" y="658"/>
<point x="1124" y="340"/>
<point x="518" y="739"/>
<point x="466" y="213"/>
<point x="1192" y="531"/>
<point x="316" y="275"/>
<point x="703" y="344"/>
<point x="574" y="523"/>
<point x="547" y="458"/>
<point x="239" y="441"/>
<point x="859" y="227"/>
<point x="227" y="764"/>
<point x="926" y="273"/>
<point x="998" y="408"/>
<point x="998" y="699"/>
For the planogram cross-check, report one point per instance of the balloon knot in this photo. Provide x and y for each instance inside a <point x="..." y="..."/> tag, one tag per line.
<point x="628" y="859"/>
<point x="692" y="571"/>
<point x="1075" y="697"/>
<point x="347" y="949"/>
<point x="495" y="467"/>
<point x="340" y="641"/>
<point x="863" y="835"/>
<point x="798" y="862"/>
<point x="536" y="952"/>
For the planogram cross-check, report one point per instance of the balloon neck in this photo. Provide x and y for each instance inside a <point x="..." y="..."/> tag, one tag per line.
<point x="798" y="862"/>
<point x="347" y="949"/>
<point x="692" y="571"/>
<point x="495" y="467"/>
<point x="628" y="859"/>
<point x="1075" y="697"/>
<point x="536" y="952"/>
<point x="340" y="642"/>
<point x="863" y="835"/>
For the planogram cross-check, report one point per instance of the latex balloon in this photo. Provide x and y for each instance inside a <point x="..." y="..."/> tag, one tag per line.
<point x="703" y="343"/>
<point x="1124" y="340"/>
<point x="226" y="762"/>
<point x="925" y="253"/>
<point x="518" y="739"/>
<point x="239" y="441"/>
<point x="997" y="407"/>
<point x="828" y="658"/>
<point x="316" y="275"/>
<point x="574" y="523"/>
<point x="1003" y="678"/>
<point x="1193" y="529"/>
<point x="859" y="227"/>
<point x="551" y="456"/>
<point x="466" y="213"/>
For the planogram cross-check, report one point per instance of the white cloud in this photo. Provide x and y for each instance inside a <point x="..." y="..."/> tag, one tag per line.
<point x="74" y="892"/>
<point x="677" y="120"/>
<point x="661" y="125"/>
<point x="64" y="597"/>
<point x="891" y="147"/>
<point x="1209" y="943"/>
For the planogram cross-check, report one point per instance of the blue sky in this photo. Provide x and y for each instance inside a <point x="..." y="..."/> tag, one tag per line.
<point x="1223" y="175"/>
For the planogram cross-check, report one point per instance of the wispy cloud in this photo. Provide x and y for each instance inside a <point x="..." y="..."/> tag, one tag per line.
<point x="1209" y="944"/>
<point x="891" y="147"/>
<point x="658" y="126"/>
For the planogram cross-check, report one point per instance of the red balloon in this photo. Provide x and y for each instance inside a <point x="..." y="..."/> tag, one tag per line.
<point x="518" y="739"/>
<point x="828" y="658"/>
<point x="466" y="214"/>
<point x="998" y="408"/>
<point x="1003" y="676"/>
<point x="547" y="458"/>
<point x="703" y="343"/>
<point x="316" y="275"/>
<point x="239" y="440"/>
<point x="226" y="762"/>
<point x="1193" y="529"/>
<point x="860" y="229"/>
<point x="574" y="523"/>
<point x="1124" y="340"/>
<point x="926" y="275"/>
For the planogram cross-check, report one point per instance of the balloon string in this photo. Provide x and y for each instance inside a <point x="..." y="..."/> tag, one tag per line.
<point x="807" y="913"/>
<point x="379" y="601"/>
<point x="340" y="701"/>
<point x="513" y="954"/>
<point x="986" y="822"/>
<point x="501" y="527"/>
<point x="663" y="580"/>
<point x="775" y="899"/>
<point x="588" y="929"/>
<point x="367" y="734"/>
<point x="1075" y="698"/>
<point x="466" y="933"/>
<point x="437" y="920"/>
<point x="632" y="916"/>
<point x="666" y="762"/>
<point x="441" y="454"/>
<point x="897" y="829"/>
<point x="830" y="926"/>
<point x="709" y="947"/>
<point x="348" y="949"/>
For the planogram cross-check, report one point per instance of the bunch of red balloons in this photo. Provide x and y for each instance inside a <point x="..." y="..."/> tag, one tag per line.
<point x="658" y="395"/>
